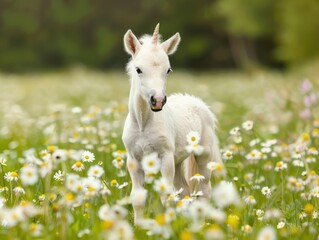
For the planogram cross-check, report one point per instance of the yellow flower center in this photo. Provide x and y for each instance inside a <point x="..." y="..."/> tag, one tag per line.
<point x="14" y="174"/>
<point x="305" y="136"/>
<point x="69" y="197"/>
<point x="309" y="208"/>
<point x="193" y="138"/>
<point x="114" y="182"/>
<point x="160" y="219"/>
<point x="186" y="235"/>
<point x="78" y="164"/>
<point x="107" y="224"/>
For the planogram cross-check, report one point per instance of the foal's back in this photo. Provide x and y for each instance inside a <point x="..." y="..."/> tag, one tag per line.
<point x="190" y="114"/>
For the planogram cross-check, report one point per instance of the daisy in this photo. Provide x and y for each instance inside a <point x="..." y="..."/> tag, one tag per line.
<point x="87" y="156"/>
<point x="162" y="186"/>
<point x="92" y="186"/>
<point x="29" y="175"/>
<point x="197" y="177"/>
<point x="248" y="125"/>
<point x="313" y="151"/>
<point x="315" y="192"/>
<point x="59" y="176"/>
<point x="11" y="217"/>
<point x="280" y="166"/>
<point x="11" y="176"/>
<point x="216" y="168"/>
<point x="114" y="183"/>
<point x="225" y="194"/>
<point x="123" y="185"/>
<point x="193" y="137"/>
<point x="267" y="233"/>
<point x="250" y="200"/>
<point x="214" y="232"/>
<point x="121" y="230"/>
<point x="195" y="148"/>
<point x="105" y="213"/>
<point x="95" y="171"/>
<point x="72" y="181"/>
<point x="2" y="202"/>
<point x="151" y="163"/>
<point x="3" y="161"/>
<point x="18" y="191"/>
<point x="83" y="232"/>
<point x="227" y="155"/>
<point x="281" y="225"/>
<point x="35" y="229"/>
<point x="118" y="162"/>
<point x="235" y="131"/>
<point x="266" y="191"/>
<point x="78" y="166"/>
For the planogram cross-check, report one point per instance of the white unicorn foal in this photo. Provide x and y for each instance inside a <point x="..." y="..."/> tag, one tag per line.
<point x="159" y="124"/>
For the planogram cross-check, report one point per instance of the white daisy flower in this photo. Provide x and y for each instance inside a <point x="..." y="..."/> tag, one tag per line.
<point x="29" y="175"/>
<point x="87" y="156"/>
<point x="92" y="186"/>
<point x="35" y="229"/>
<point x="95" y="171"/>
<point x="3" y="161"/>
<point x="59" y="176"/>
<point x="248" y="125"/>
<point x="11" y="176"/>
<point x="280" y="166"/>
<point x="225" y="194"/>
<point x="250" y="200"/>
<point x="71" y="181"/>
<point x="266" y="191"/>
<point x="195" y="148"/>
<point x="197" y="177"/>
<point x="18" y="191"/>
<point x="216" y="168"/>
<point x="78" y="166"/>
<point x="267" y="233"/>
<point x="151" y="163"/>
<point x="281" y="225"/>
<point x="227" y="155"/>
<point x="193" y="138"/>
<point x="162" y="187"/>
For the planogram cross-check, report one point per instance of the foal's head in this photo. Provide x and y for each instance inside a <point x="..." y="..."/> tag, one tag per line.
<point x="150" y="65"/>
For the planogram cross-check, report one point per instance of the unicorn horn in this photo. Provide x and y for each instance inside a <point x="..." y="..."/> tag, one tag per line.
<point x="155" y="34"/>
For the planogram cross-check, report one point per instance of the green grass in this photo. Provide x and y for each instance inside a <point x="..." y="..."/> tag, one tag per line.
<point x="36" y="114"/>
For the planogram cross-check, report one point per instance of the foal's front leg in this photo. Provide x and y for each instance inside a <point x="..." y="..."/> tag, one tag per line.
<point x="137" y="176"/>
<point x="168" y="171"/>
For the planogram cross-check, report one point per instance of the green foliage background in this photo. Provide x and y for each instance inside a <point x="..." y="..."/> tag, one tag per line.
<point x="42" y="34"/>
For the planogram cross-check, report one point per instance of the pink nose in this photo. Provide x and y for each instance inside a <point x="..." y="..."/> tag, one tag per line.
<point x="157" y="103"/>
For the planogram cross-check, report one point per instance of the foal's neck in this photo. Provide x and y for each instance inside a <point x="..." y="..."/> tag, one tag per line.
<point x="139" y="109"/>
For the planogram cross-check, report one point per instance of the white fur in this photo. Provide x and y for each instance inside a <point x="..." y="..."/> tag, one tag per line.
<point x="165" y="131"/>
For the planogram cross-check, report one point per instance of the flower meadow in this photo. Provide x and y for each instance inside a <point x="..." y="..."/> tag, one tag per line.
<point x="63" y="170"/>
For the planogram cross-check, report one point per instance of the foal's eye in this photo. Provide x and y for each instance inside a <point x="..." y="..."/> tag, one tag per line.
<point x="169" y="70"/>
<point x="138" y="70"/>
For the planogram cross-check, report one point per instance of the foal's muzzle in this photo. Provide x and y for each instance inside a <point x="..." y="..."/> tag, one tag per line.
<point x="157" y="103"/>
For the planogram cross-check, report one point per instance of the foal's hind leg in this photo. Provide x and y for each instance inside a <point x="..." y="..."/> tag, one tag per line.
<point x="202" y="160"/>
<point x="210" y="153"/>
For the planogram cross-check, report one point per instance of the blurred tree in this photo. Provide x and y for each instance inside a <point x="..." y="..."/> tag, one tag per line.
<point x="37" y="34"/>
<point x="246" y="21"/>
<point x="298" y="31"/>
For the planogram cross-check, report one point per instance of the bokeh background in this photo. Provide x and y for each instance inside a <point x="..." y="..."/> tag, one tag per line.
<point x="43" y="34"/>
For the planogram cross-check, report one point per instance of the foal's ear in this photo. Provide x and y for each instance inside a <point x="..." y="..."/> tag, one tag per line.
<point x="131" y="44"/>
<point x="170" y="45"/>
